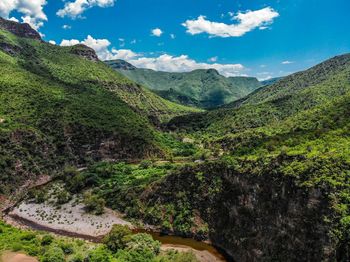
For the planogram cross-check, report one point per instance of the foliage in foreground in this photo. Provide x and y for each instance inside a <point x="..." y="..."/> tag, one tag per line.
<point x="49" y="248"/>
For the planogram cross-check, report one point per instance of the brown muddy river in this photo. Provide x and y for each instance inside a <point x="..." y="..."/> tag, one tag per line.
<point x="164" y="239"/>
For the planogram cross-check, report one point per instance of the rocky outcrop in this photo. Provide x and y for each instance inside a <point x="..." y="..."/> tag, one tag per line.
<point x="260" y="214"/>
<point x="120" y="64"/>
<point x="9" y="49"/>
<point x="85" y="52"/>
<point x="18" y="29"/>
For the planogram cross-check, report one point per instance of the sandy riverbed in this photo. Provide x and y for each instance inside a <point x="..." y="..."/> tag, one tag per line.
<point x="201" y="255"/>
<point x="71" y="217"/>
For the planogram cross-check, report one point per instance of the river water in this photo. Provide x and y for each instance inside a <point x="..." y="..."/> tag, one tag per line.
<point x="164" y="239"/>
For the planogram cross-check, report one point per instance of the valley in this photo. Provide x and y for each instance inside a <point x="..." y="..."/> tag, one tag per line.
<point x="106" y="162"/>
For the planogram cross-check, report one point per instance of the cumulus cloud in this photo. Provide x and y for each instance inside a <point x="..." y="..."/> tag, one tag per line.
<point x="32" y="11"/>
<point x="246" y="22"/>
<point x="66" y="27"/>
<point x="76" y="8"/>
<point x="287" y="62"/>
<point x="163" y="62"/>
<point x="156" y="32"/>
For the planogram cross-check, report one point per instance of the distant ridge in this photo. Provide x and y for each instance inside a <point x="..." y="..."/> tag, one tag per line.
<point x="204" y="88"/>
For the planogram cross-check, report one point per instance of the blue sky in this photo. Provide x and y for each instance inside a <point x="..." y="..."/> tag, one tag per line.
<point x="263" y="38"/>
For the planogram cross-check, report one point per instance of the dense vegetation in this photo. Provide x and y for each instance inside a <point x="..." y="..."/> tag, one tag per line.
<point x="119" y="246"/>
<point x="58" y="105"/>
<point x="203" y="88"/>
<point x="265" y="177"/>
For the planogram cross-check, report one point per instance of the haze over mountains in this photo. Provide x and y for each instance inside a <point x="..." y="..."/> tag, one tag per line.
<point x="202" y="88"/>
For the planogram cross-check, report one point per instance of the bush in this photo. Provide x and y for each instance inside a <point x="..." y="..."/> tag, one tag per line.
<point x="145" y="164"/>
<point x="117" y="238"/>
<point x="77" y="258"/>
<point x="99" y="254"/>
<point x="28" y="236"/>
<point x="144" y="244"/>
<point x="54" y="254"/>
<point x="67" y="248"/>
<point x="46" y="240"/>
<point x="63" y="197"/>
<point x="94" y="204"/>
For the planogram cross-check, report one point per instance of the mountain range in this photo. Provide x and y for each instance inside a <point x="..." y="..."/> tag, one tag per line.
<point x="201" y="88"/>
<point x="262" y="174"/>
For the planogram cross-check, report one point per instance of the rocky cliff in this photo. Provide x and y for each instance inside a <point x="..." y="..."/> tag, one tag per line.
<point x="256" y="212"/>
<point x="18" y="29"/>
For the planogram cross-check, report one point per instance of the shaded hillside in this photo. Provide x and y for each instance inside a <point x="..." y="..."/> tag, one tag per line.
<point x="207" y="87"/>
<point x="276" y="187"/>
<point x="271" y="104"/>
<point x="61" y="105"/>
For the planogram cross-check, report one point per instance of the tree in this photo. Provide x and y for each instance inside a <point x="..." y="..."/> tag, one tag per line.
<point x="117" y="238"/>
<point x="94" y="204"/>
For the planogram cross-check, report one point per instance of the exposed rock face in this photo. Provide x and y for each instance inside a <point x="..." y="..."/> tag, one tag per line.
<point x="18" y="29"/>
<point x="255" y="217"/>
<point x="85" y="52"/>
<point x="9" y="49"/>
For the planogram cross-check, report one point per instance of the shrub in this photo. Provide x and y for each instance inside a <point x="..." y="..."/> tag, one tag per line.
<point x="94" y="204"/>
<point x="63" y="197"/>
<point x="54" y="254"/>
<point x="117" y="238"/>
<point x="99" y="254"/>
<point x="67" y="248"/>
<point x="145" y="164"/>
<point x="76" y="258"/>
<point x="47" y="240"/>
<point x="28" y="236"/>
<point x="144" y="244"/>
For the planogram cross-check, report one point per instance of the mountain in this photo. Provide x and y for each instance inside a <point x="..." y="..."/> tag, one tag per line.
<point x="288" y="97"/>
<point x="280" y="190"/>
<point x="61" y="105"/>
<point x="207" y="88"/>
<point x="270" y="81"/>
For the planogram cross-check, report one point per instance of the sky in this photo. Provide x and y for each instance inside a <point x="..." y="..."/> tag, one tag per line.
<point x="261" y="38"/>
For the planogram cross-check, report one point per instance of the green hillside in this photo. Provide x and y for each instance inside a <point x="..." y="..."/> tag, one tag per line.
<point x="60" y="105"/>
<point x="207" y="87"/>
<point x="272" y="104"/>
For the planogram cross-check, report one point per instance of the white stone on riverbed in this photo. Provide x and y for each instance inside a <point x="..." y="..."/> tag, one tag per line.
<point x="70" y="217"/>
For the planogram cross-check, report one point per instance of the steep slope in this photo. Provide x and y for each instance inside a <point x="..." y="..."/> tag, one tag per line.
<point x="270" y="81"/>
<point x="280" y="191"/>
<point x="60" y="105"/>
<point x="272" y="104"/>
<point x="207" y="87"/>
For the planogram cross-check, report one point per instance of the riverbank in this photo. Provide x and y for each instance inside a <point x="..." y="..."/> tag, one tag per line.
<point x="71" y="220"/>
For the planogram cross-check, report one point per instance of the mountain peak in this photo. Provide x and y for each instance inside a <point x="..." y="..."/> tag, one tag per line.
<point x="120" y="64"/>
<point x="18" y="29"/>
<point x="85" y="52"/>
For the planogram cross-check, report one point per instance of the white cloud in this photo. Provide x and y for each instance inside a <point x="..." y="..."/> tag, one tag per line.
<point x="157" y="32"/>
<point x="213" y="59"/>
<point x="32" y="11"/>
<point x="183" y="63"/>
<point x="66" y="27"/>
<point x="287" y="62"/>
<point x="162" y="62"/>
<point x="78" y="7"/>
<point x="52" y="42"/>
<point x="247" y="22"/>
<point x="172" y="36"/>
